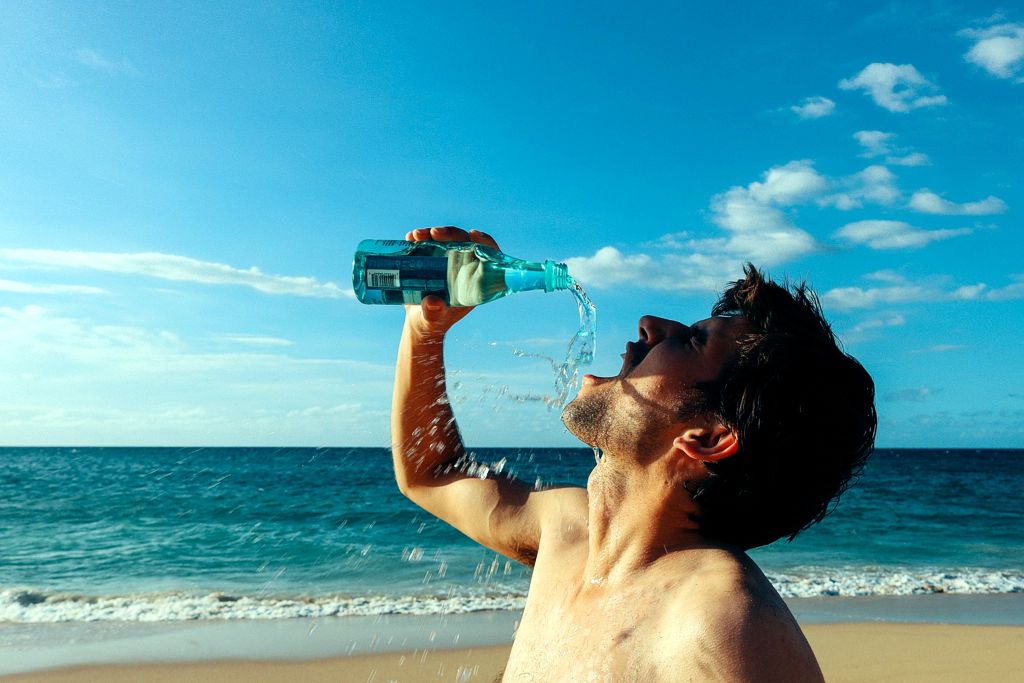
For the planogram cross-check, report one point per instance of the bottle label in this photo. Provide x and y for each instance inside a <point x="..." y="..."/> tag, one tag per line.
<point x="405" y="279"/>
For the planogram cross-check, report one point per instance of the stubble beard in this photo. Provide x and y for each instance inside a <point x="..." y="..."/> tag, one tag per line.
<point x="586" y="418"/>
<point x="613" y="423"/>
<point x="618" y="423"/>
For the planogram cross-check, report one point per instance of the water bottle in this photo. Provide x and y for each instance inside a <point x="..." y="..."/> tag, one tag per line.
<point x="461" y="273"/>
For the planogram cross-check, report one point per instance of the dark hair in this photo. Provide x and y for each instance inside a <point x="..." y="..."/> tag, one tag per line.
<point x="803" y="411"/>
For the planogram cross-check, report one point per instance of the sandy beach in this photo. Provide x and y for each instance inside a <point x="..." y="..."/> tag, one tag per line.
<point x="848" y="653"/>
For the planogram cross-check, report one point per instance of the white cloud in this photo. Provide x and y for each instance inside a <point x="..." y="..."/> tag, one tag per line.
<point x="866" y="329"/>
<point x="879" y="234"/>
<point x="759" y="232"/>
<point x="927" y="201"/>
<point x="177" y="268"/>
<point x="998" y="49"/>
<point x="94" y="59"/>
<point x="788" y="184"/>
<point x="26" y="288"/>
<point x="874" y="142"/>
<point x="876" y="184"/>
<point x="253" y="340"/>
<point x="939" y="348"/>
<point x="859" y="297"/>
<point x="608" y="266"/>
<point x="886" y="276"/>
<point x="916" y="395"/>
<point x="814" y="107"/>
<point x="896" y="87"/>
<point x="877" y="143"/>
<point x="704" y="270"/>
<point x="911" y="159"/>
<point x="968" y="292"/>
<point x="900" y="291"/>
<point x="1015" y="290"/>
<point x="875" y="323"/>
<point x="754" y="229"/>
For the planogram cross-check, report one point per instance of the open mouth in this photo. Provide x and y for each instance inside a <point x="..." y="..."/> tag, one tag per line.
<point x="635" y="353"/>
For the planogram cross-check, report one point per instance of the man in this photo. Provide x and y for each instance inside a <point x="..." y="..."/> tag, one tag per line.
<point x="717" y="437"/>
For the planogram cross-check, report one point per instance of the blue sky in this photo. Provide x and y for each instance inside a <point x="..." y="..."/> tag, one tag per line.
<point x="182" y="188"/>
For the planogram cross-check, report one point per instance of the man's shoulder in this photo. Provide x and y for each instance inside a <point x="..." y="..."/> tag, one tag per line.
<point x="727" y="610"/>
<point x="725" y="587"/>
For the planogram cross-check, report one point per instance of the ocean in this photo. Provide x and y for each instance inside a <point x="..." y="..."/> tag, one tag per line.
<point x="170" y="534"/>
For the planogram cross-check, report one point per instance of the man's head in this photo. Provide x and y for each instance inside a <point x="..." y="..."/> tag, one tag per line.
<point x="803" y="412"/>
<point x="760" y="394"/>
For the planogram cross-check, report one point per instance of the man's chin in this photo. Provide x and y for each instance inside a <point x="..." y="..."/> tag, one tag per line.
<point x="584" y="416"/>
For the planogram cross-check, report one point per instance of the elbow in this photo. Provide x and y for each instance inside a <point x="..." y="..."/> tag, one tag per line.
<point x="402" y="482"/>
<point x="407" y="488"/>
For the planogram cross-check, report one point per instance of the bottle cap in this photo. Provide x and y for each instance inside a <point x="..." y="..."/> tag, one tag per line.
<point x="556" y="276"/>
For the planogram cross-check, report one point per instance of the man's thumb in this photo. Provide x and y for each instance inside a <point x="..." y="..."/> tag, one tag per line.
<point x="433" y="308"/>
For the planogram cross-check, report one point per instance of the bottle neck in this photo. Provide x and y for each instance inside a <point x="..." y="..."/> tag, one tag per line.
<point x="549" y="276"/>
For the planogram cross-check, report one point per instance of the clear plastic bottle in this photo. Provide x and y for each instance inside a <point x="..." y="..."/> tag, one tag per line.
<point x="461" y="273"/>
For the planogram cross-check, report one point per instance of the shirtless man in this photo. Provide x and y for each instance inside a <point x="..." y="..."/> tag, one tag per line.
<point x="717" y="437"/>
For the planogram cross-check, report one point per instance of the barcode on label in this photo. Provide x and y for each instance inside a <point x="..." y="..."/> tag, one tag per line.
<point x="383" y="279"/>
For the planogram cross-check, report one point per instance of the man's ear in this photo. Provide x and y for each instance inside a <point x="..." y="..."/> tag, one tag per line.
<point x="708" y="443"/>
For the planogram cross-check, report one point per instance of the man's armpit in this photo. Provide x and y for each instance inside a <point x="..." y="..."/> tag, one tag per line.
<point x="524" y="552"/>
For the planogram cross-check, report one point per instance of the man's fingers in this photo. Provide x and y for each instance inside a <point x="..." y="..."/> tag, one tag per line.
<point x="444" y="233"/>
<point x="482" y="238"/>
<point x="418" y="235"/>
<point x="449" y="233"/>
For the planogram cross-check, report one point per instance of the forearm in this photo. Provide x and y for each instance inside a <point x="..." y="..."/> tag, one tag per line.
<point x="424" y="435"/>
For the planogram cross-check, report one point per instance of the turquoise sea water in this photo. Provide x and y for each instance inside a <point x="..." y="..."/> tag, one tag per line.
<point x="162" y="534"/>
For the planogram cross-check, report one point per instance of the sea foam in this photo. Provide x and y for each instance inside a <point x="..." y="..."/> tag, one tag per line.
<point x="26" y="605"/>
<point x="814" y="582"/>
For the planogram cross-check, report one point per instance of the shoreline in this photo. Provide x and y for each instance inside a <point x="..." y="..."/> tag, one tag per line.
<point x="456" y="641"/>
<point x="847" y="653"/>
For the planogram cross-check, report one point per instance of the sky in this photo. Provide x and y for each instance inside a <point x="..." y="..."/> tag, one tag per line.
<point x="183" y="186"/>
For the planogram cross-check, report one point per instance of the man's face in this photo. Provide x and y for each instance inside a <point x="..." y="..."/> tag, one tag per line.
<point x="641" y="409"/>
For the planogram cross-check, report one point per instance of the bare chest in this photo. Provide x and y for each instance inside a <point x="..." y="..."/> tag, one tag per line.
<point x="564" y="638"/>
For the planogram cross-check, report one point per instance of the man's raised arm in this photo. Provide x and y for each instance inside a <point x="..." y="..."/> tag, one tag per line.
<point x="499" y="512"/>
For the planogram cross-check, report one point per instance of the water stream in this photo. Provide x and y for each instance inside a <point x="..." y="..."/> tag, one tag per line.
<point x="579" y="353"/>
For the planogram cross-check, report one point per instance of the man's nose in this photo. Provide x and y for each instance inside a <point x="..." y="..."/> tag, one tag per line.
<point x="654" y="329"/>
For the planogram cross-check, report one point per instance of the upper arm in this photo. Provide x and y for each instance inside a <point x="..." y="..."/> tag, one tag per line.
<point x="501" y="512"/>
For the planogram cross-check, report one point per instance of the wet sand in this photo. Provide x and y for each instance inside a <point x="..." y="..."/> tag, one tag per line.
<point x="848" y="653"/>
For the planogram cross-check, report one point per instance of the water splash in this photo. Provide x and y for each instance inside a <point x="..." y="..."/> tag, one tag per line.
<point x="579" y="354"/>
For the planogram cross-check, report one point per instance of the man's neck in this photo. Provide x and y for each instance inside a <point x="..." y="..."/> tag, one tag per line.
<point x="637" y="516"/>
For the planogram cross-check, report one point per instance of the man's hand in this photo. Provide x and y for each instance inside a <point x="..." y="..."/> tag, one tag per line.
<point x="431" y="320"/>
